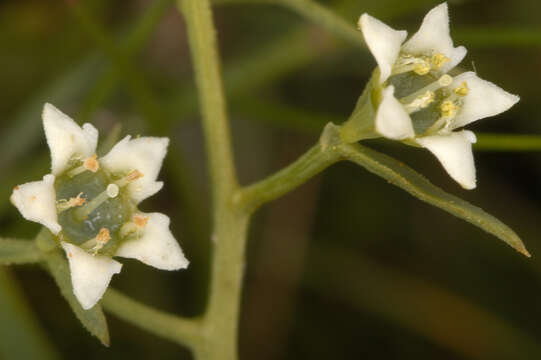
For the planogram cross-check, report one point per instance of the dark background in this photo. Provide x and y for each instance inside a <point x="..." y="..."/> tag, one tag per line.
<point x="347" y="266"/>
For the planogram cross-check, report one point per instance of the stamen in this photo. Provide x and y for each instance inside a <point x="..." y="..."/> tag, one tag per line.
<point x="443" y="81"/>
<point x="63" y="205"/>
<point x="420" y="102"/>
<point x="140" y="220"/>
<point x="93" y="204"/>
<point x="90" y="164"/>
<point x="132" y="176"/>
<point x="449" y="109"/>
<point x="462" y="90"/>
<point x="136" y="226"/>
<point x="407" y="63"/>
<point x="96" y="244"/>
<point x="422" y="68"/>
<point x="438" y="60"/>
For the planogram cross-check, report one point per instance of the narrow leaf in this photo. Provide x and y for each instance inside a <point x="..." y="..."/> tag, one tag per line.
<point x="417" y="185"/>
<point x="93" y="319"/>
<point x="17" y="251"/>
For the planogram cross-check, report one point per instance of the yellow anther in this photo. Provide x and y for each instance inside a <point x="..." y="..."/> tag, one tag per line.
<point x="140" y="221"/>
<point x="438" y="60"/>
<point x="448" y="109"/>
<point x="92" y="163"/>
<point x="422" y="68"/>
<point x="462" y="90"/>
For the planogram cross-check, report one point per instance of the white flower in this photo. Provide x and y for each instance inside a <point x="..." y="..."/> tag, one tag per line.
<point x="419" y="103"/>
<point x="90" y="204"/>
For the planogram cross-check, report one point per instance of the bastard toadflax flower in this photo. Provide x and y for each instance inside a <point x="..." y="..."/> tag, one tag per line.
<point x="91" y="204"/>
<point x="416" y="96"/>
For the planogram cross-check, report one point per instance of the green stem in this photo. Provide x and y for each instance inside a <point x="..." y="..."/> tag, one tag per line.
<point x="179" y="330"/>
<point x="230" y="225"/>
<point x="202" y="39"/>
<point x="508" y="142"/>
<point x="308" y="165"/>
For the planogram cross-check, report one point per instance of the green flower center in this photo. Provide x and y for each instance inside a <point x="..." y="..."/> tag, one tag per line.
<point x="92" y="207"/>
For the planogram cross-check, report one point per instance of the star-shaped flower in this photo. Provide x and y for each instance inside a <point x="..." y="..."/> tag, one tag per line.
<point x="90" y="204"/>
<point x="419" y="102"/>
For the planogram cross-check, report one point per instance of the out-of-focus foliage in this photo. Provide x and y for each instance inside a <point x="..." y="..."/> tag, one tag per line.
<point x="347" y="266"/>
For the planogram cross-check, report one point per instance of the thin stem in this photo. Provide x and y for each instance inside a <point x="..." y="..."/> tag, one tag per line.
<point x="508" y="142"/>
<point x="308" y="165"/>
<point x="202" y="39"/>
<point x="230" y="224"/>
<point x="179" y="330"/>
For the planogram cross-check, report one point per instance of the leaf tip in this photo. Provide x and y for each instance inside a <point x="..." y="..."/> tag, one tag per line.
<point x="519" y="246"/>
<point x="105" y="340"/>
<point x="525" y="252"/>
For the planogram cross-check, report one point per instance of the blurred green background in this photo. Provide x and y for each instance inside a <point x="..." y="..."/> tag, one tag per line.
<point x="346" y="267"/>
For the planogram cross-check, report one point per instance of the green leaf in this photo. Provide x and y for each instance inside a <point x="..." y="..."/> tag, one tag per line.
<point x="93" y="319"/>
<point x="16" y="251"/>
<point x="417" y="185"/>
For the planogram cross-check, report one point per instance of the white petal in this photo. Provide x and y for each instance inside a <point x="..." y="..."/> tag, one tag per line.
<point x="434" y="37"/>
<point x="392" y="120"/>
<point x="66" y="139"/>
<point x="145" y="154"/>
<point x="484" y="99"/>
<point x="156" y="246"/>
<point x="37" y="202"/>
<point x="383" y="41"/>
<point x="455" y="154"/>
<point x="90" y="275"/>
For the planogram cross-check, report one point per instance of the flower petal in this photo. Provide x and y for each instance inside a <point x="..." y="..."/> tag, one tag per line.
<point x="156" y="246"/>
<point x="455" y="154"/>
<point x="434" y="37"/>
<point x="144" y="154"/>
<point x="90" y="275"/>
<point x="66" y="139"/>
<point x="36" y="201"/>
<point x="392" y="120"/>
<point x="383" y="41"/>
<point x="484" y="99"/>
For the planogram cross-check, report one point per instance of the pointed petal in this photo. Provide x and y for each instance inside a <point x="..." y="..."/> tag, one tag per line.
<point x="455" y="154"/>
<point x="434" y="37"/>
<point x="36" y="201"/>
<point x="392" y="120"/>
<point x="145" y="154"/>
<point x="383" y="41"/>
<point x="66" y="139"/>
<point x="484" y="99"/>
<point x="90" y="275"/>
<point x="156" y="246"/>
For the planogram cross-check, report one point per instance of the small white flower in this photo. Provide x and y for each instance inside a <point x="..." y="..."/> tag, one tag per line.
<point x="419" y="102"/>
<point x="90" y="204"/>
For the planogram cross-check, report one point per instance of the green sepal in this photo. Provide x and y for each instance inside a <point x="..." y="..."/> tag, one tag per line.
<point x="360" y="124"/>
